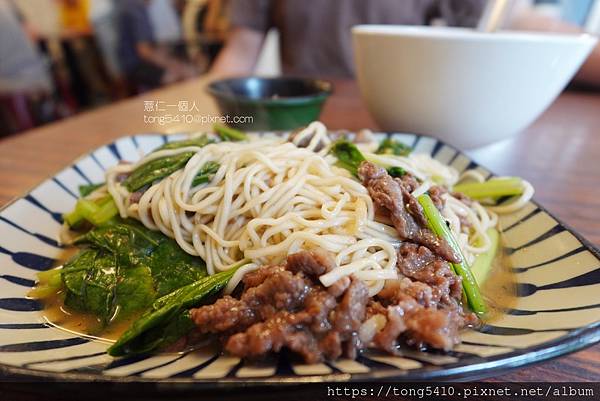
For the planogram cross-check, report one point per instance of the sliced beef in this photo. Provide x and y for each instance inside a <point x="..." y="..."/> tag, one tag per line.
<point x="257" y="277"/>
<point x="225" y="314"/>
<point x="422" y="265"/>
<point x="405" y="212"/>
<point x="286" y="306"/>
<point x="408" y="181"/>
<point x="314" y="262"/>
<point x="419" y="326"/>
<point x="281" y="290"/>
<point x="437" y="328"/>
<point x="423" y="308"/>
<point x="435" y="193"/>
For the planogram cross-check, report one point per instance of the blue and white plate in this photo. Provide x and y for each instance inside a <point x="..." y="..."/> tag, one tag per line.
<point x="557" y="309"/>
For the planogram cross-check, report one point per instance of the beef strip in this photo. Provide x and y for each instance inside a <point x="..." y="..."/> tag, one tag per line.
<point x="435" y="193"/>
<point x="424" y="307"/>
<point x="408" y="181"/>
<point x="419" y="263"/>
<point x="314" y="262"/>
<point x="286" y="306"/>
<point x="405" y="212"/>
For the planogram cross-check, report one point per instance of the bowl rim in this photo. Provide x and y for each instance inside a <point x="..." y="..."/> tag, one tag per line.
<point x="470" y="34"/>
<point x="324" y="89"/>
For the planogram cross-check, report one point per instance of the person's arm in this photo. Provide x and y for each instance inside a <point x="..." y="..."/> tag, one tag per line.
<point x="153" y="55"/>
<point x="529" y="20"/>
<point x="240" y="54"/>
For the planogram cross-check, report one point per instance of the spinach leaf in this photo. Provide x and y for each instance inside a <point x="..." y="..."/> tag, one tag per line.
<point x="124" y="268"/>
<point x="199" y="141"/>
<point x="393" y="147"/>
<point x="162" y="167"/>
<point x="90" y="281"/>
<point x="73" y="276"/>
<point x="135" y="245"/>
<point x="134" y="291"/>
<point x="74" y="271"/>
<point x="175" y="325"/>
<point x="98" y="288"/>
<point x="168" y="319"/>
<point x="130" y="241"/>
<point x="155" y="169"/>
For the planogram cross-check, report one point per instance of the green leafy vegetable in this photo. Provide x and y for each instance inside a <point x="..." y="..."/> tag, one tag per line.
<point x="396" y="171"/>
<point x="483" y="262"/>
<point x="493" y="188"/>
<point x="205" y="173"/>
<point x="124" y="268"/>
<point x="134" y="245"/>
<point x="199" y="141"/>
<point x="348" y="155"/>
<point x="155" y="170"/>
<point x="162" y="167"/>
<point x="393" y="147"/>
<point x="440" y="228"/>
<point x="350" y="158"/>
<point x="99" y="284"/>
<point x="229" y="134"/>
<point x="169" y="319"/>
<point x="85" y="190"/>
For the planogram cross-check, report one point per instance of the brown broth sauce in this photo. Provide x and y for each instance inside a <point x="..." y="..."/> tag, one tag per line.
<point x="500" y="287"/>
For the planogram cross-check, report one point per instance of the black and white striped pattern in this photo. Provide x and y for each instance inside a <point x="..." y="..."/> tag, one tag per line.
<point x="557" y="311"/>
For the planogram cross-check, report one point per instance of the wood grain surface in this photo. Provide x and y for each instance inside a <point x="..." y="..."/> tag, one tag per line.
<point x="559" y="154"/>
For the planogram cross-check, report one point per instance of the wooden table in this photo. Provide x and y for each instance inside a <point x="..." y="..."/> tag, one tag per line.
<point x="559" y="154"/>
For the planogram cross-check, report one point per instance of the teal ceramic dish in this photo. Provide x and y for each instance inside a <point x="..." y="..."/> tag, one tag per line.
<point x="274" y="104"/>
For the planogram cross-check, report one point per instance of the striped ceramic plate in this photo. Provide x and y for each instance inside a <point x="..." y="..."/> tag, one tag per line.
<point x="557" y="309"/>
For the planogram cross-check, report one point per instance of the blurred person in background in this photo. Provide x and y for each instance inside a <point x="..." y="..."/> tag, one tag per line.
<point x="315" y="36"/>
<point x="103" y="17"/>
<point x="204" y="27"/>
<point x="25" y="83"/>
<point x="88" y="74"/>
<point x="165" y="22"/>
<point x="145" y="62"/>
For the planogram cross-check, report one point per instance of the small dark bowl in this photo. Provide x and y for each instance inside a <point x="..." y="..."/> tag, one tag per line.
<point x="275" y="104"/>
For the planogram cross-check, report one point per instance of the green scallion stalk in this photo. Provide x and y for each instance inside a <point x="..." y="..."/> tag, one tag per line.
<point x="48" y="284"/>
<point x="438" y="225"/>
<point x="494" y="188"/>
<point x="97" y="212"/>
<point x="229" y="134"/>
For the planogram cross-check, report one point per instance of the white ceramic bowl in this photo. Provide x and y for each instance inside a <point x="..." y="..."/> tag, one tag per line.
<point x="465" y="87"/>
